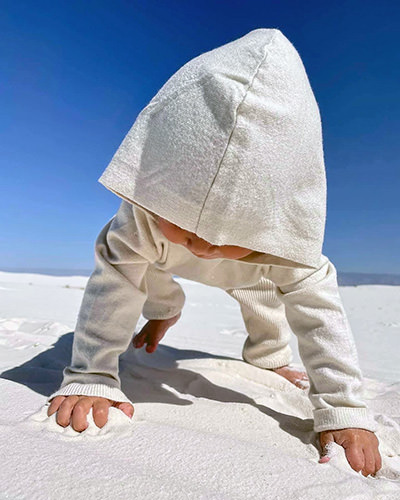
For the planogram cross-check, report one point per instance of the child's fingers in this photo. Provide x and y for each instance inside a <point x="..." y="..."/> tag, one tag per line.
<point x="378" y="460"/>
<point x="355" y="457"/>
<point x="54" y="405"/>
<point x="326" y="440"/>
<point x="369" y="459"/>
<point x="139" y="343"/>
<point x="151" y="348"/>
<point x="127" y="408"/>
<point x="100" y="411"/>
<point x="80" y="412"/>
<point x="74" y="409"/>
<point x="153" y="340"/>
<point x="152" y="344"/>
<point x="65" y="409"/>
<point x="139" y="340"/>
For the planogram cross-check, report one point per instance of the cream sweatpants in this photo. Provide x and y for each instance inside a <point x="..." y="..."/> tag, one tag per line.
<point x="267" y="343"/>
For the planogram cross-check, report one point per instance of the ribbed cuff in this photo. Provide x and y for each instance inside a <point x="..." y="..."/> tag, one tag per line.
<point x="99" y="390"/>
<point x="273" y="360"/>
<point x="168" y="314"/>
<point x="342" y="418"/>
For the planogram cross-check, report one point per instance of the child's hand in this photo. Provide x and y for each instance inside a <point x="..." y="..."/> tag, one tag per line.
<point x="361" y="448"/>
<point x="75" y="409"/>
<point x="152" y="332"/>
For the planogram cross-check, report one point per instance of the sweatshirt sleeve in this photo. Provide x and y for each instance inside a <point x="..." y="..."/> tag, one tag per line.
<point x="327" y="348"/>
<point x="111" y="306"/>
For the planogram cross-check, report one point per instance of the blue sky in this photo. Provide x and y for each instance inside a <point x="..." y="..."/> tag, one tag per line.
<point x="75" y="74"/>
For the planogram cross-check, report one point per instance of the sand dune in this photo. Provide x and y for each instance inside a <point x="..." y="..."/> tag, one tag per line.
<point x="206" y="425"/>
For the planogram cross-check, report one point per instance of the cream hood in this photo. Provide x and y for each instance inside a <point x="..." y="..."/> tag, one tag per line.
<point x="230" y="148"/>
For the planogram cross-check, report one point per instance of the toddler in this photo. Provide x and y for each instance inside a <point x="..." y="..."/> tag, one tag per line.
<point x="222" y="181"/>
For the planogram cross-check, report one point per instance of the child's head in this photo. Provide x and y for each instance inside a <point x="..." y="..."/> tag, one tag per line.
<point x="199" y="247"/>
<point x="230" y="148"/>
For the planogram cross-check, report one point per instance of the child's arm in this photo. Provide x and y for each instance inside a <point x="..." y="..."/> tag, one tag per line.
<point x="316" y="315"/>
<point x="111" y="306"/>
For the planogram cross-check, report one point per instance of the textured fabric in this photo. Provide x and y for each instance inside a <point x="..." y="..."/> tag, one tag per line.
<point x="230" y="148"/>
<point x="121" y="287"/>
<point x="267" y="344"/>
<point x="165" y="296"/>
<point x="99" y="390"/>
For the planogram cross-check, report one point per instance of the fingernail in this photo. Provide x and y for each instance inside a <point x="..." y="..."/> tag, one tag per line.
<point x="323" y="460"/>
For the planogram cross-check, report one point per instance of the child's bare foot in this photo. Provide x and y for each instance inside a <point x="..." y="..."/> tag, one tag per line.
<point x="152" y="332"/>
<point x="296" y="377"/>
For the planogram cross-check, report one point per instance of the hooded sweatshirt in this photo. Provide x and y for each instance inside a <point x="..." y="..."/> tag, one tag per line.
<point x="230" y="148"/>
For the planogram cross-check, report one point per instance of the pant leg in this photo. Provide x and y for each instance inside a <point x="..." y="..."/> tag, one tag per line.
<point x="267" y="344"/>
<point x="165" y="297"/>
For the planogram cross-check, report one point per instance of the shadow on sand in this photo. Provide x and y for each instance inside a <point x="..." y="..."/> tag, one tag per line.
<point x="149" y="381"/>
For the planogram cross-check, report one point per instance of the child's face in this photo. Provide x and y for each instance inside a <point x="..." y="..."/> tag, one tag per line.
<point x="199" y="247"/>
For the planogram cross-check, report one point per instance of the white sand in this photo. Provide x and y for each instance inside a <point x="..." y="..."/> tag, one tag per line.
<point x="206" y="424"/>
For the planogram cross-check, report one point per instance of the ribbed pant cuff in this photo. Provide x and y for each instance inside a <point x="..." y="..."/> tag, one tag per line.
<point x="275" y="360"/>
